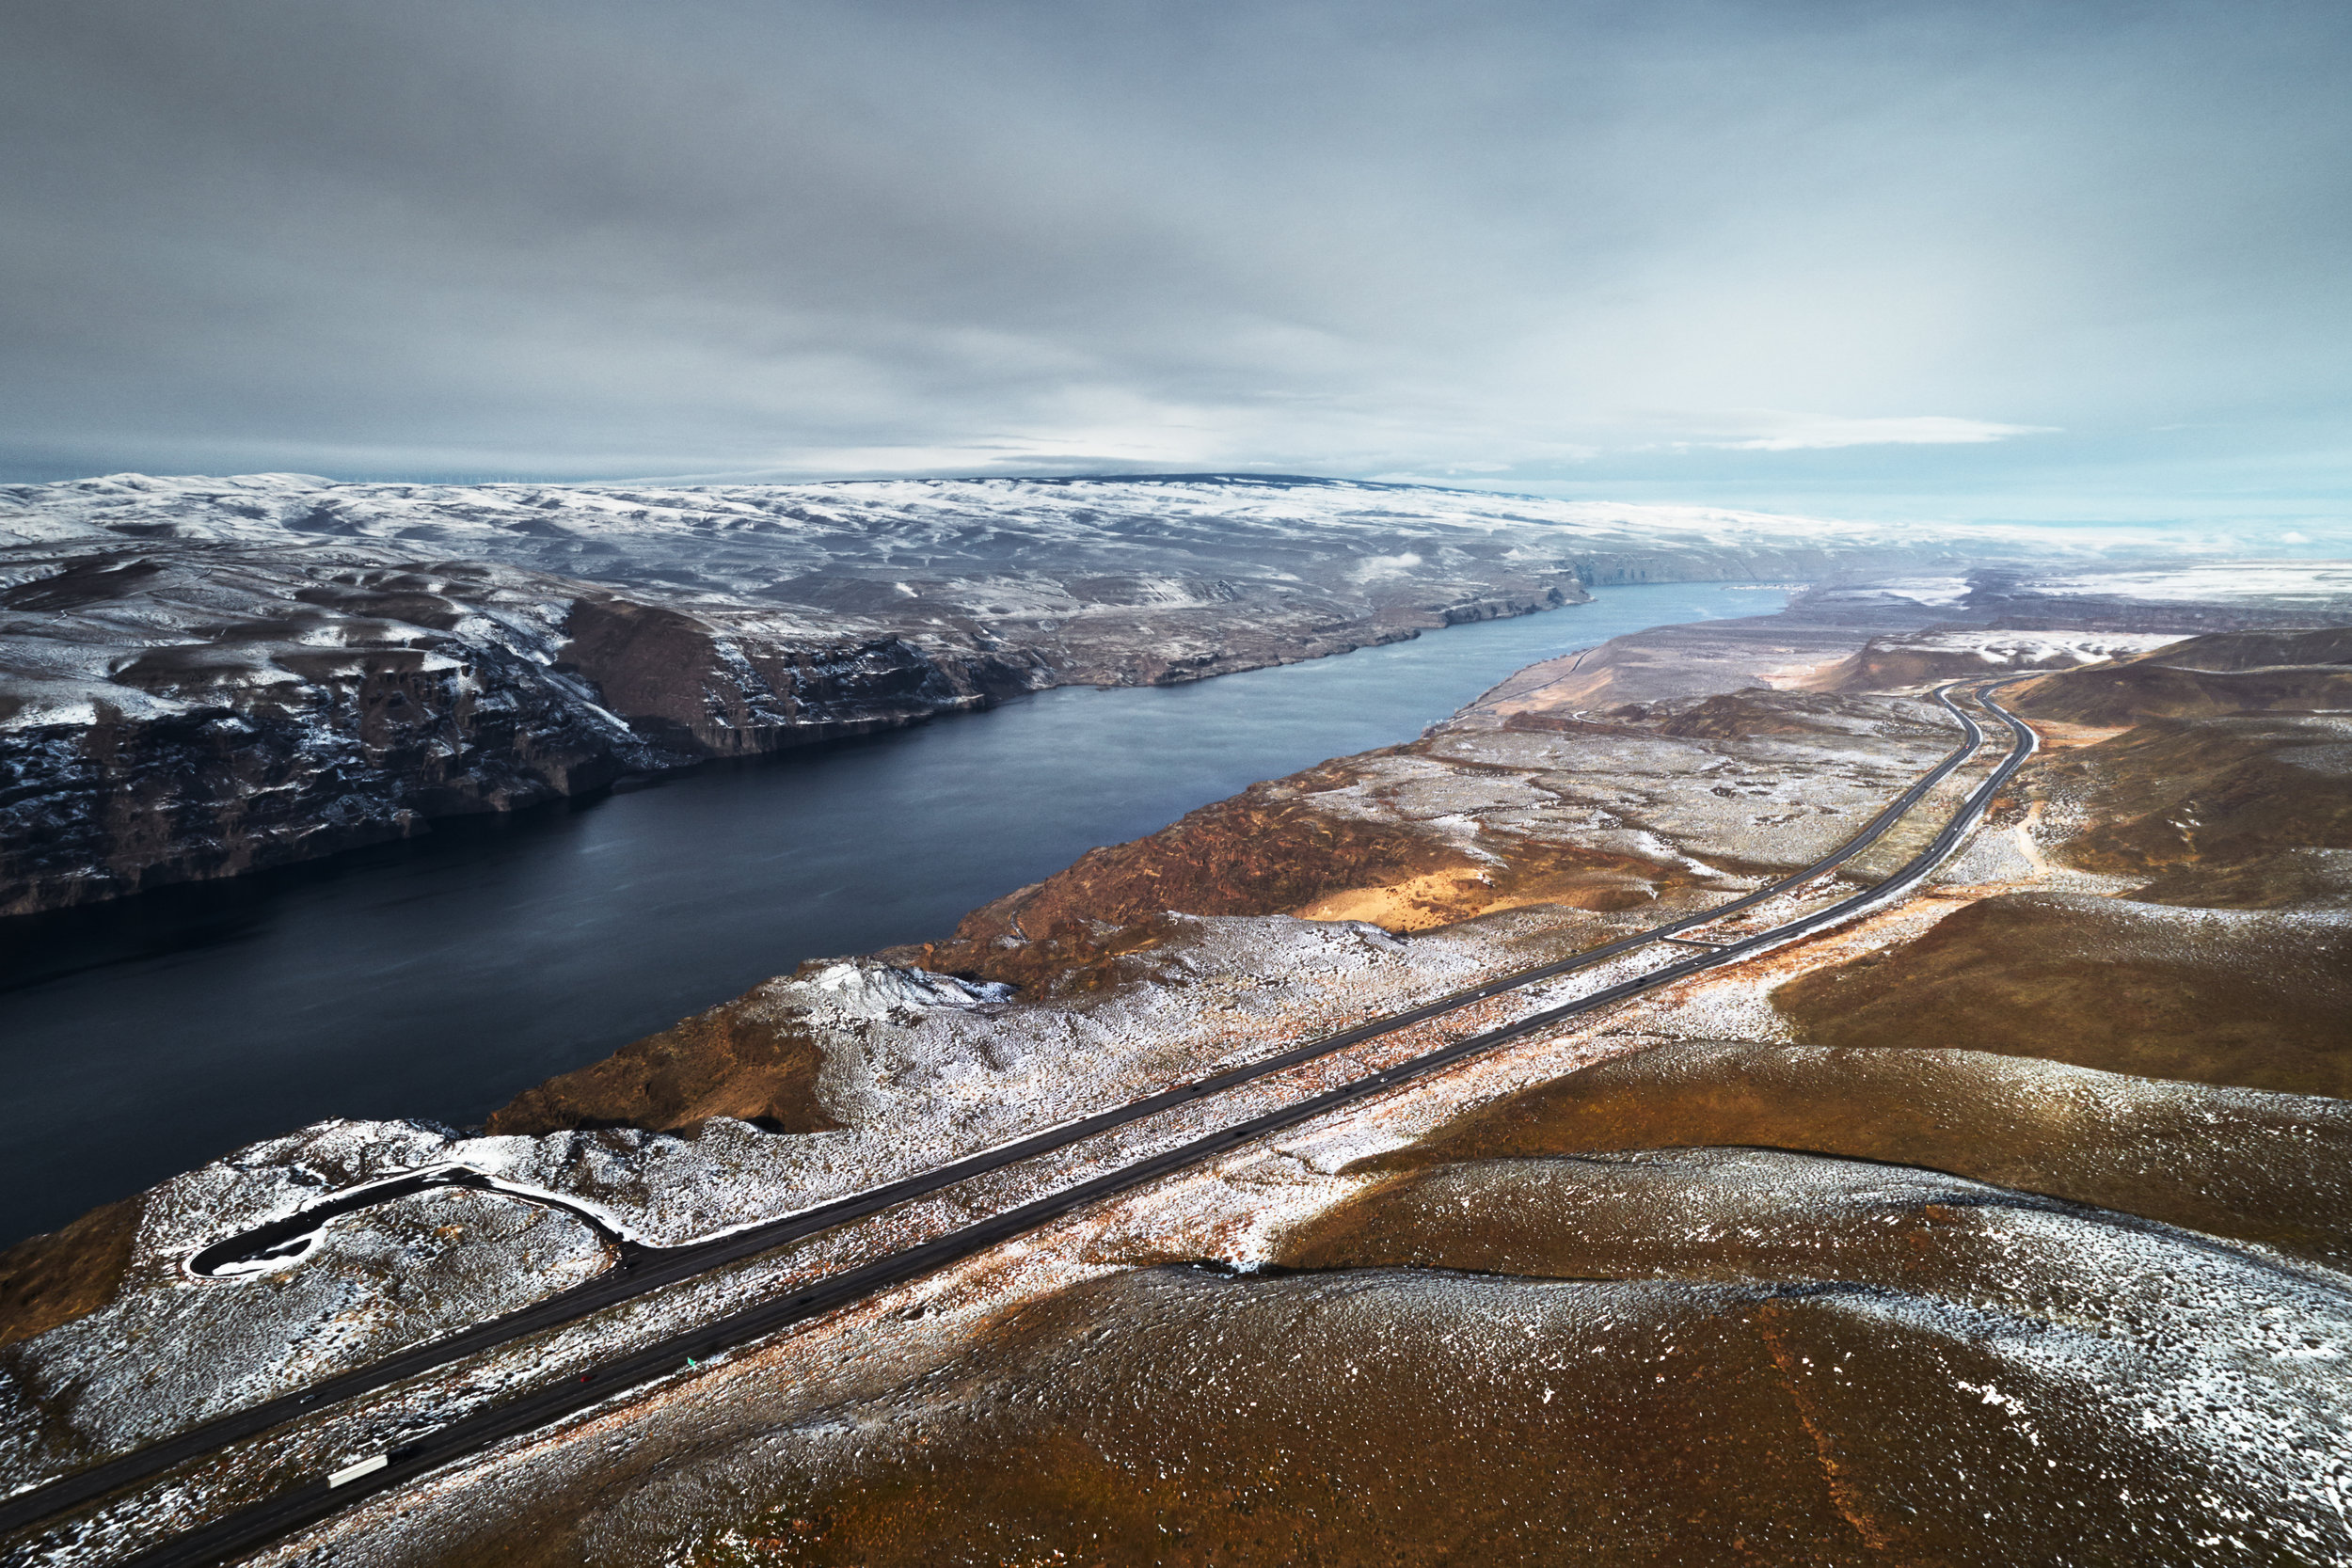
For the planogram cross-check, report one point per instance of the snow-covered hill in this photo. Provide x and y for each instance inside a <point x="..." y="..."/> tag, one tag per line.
<point x="767" y="542"/>
<point x="200" y="676"/>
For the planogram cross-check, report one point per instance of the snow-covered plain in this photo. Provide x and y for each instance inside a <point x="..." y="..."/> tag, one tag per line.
<point x="2310" y="583"/>
<point x="2033" y="650"/>
<point x="2295" y="591"/>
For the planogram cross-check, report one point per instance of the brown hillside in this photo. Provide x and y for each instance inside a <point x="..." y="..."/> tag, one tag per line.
<point x="2111" y="696"/>
<point x="2268" y="1167"/>
<point x="54" y="1278"/>
<point x="735" y="1060"/>
<point x="2175" y="792"/>
<point x="2253" y="650"/>
<point x="1272" y="849"/>
<point x="2253" y="998"/>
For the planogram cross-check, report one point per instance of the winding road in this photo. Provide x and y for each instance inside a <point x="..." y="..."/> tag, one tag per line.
<point x="641" y="1270"/>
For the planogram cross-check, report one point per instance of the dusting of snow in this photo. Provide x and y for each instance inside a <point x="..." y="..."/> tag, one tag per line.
<point x="745" y="539"/>
<point x="2216" y="582"/>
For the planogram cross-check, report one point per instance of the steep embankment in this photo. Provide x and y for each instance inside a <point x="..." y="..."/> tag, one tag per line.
<point x="203" y="678"/>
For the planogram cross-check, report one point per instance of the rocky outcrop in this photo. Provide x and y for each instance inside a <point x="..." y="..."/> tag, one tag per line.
<point x="182" y="711"/>
<point x="166" y="717"/>
<point x="710" y="684"/>
<point x="200" y="679"/>
<point x="747" y="1060"/>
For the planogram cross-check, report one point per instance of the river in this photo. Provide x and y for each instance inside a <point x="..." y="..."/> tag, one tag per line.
<point x="436" y="978"/>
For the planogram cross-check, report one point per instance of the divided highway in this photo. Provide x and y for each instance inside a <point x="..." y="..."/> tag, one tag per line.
<point x="644" y="1269"/>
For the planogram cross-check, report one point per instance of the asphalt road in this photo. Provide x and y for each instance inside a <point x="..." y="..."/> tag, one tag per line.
<point x="643" y="1269"/>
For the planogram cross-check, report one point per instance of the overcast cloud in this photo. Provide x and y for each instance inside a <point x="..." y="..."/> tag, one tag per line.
<point x="1972" y="259"/>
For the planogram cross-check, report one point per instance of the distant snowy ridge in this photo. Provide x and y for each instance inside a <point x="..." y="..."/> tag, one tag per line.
<point x="744" y="540"/>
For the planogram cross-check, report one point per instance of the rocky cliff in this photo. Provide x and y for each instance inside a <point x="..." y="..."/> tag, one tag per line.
<point x="170" y="712"/>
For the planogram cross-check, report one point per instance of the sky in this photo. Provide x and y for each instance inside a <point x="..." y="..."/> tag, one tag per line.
<point x="2060" y="261"/>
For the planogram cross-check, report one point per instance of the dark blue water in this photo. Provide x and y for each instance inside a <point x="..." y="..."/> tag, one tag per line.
<point x="439" y="977"/>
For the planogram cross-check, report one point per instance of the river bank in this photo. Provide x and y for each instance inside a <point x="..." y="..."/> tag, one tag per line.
<point x="437" y="977"/>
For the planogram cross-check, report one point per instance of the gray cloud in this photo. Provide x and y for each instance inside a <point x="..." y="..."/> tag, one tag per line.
<point x="1850" y="252"/>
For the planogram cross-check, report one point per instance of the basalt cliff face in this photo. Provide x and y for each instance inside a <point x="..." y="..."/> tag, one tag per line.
<point x="203" y="678"/>
<point x="174" y="714"/>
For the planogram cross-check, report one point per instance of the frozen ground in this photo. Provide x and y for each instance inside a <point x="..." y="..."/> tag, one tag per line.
<point x="1998" y="650"/>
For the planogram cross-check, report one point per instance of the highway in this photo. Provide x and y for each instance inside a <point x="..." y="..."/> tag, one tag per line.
<point x="641" y="1270"/>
